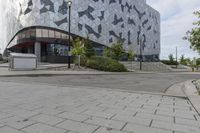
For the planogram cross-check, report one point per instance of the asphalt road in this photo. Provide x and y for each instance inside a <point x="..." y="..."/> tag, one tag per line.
<point x="154" y="82"/>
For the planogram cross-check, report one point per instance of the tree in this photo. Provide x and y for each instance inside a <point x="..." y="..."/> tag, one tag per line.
<point x="78" y="49"/>
<point x="198" y="62"/>
<point x="107" y="52"/>
<point x="171" y="58"/>
<point x="131" y="56"/>
<point x="183" y="61"/>
<point x="89" y="49"/>
<point x="193" y="36"/>
<point x="116" y="51"/>
<point x="130" y="53"/>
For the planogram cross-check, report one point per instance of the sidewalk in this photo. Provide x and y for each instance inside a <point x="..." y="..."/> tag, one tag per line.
<point x="46" y="69"/>
<point x="35" y="108"/>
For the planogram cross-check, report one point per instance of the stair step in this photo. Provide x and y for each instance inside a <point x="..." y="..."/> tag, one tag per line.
<point x="148" y="66"/>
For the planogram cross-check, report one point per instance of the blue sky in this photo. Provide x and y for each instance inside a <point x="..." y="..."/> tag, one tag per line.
<point x="176" y="18"/>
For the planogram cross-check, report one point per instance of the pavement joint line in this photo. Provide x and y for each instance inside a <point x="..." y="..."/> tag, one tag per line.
<point x="155" y="111"/>
<point x="112" y="116"/>
<point x="13" y="128"/>
<point x="195" y="118"/>
<point x="174" y="119"/>
<point x="96" y="129"/>
<point x="135" y="114"/>
<point x="151" y="123"/>
<point x="28" y="125"/>
<point x="124" y="126"/>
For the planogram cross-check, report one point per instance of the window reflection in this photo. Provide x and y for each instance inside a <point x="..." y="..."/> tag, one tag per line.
<point x="45" y="33"/>
<point x="57" y="50"/>
<point x="57" y="34"/>
<point x="38" y="32"/>
<point x="51" y="34"/>
<point x="32" y="33"/>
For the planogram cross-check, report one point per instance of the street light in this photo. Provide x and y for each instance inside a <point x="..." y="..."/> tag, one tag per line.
<point x="69" y="3"/>
<point x="176" y="57"/>
<point x="140" y="41"/>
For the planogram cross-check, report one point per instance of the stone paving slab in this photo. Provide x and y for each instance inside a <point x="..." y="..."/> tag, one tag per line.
<point x="106" y="123"/>
<point x="108" y="130"/>
<point x="17" y="122"/>
<point x="9" y="130"/>
<point x="47" y="119"/>
<point x="77" y="126"/>
<point x="176" y="127"/>
<point x="143" y="129"/>
<point x="35" y="108"/>
<point x="74" y="116"/>
<point x="42" y="128"/>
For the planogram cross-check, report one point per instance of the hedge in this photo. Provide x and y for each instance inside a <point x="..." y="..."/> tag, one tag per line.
<point x="105" y="64"/>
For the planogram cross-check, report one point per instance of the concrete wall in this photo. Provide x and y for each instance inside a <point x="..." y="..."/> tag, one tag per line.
<point x="103" y="20"/>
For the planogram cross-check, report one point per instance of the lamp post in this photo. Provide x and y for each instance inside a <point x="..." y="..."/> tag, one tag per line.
<point x="176" y="57"/>
<point x="69" y="3"/>
<point x="140" y="41"/>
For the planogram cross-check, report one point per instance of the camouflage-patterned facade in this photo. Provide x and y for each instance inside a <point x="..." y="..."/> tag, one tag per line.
<point x="105" y="21"/>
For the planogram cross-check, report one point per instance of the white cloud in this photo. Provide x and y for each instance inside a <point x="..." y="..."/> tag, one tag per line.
<point x="177" y="18"/>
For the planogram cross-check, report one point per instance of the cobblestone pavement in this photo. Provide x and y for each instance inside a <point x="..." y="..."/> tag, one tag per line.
<point x="36" y="108"/>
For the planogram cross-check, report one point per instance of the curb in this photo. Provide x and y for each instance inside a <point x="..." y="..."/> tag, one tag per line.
<point x="191" y="92"/>
<point x="41" y="73"/>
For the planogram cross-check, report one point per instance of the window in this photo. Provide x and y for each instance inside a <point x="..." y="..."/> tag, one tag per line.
<point x="27" y="34"/>
<point x="51" y="34"/>
<point x="57" y="34"/>
<point x="32" y="33"/>
<point x="38" y="32"/>
<point x="64" y="36"/>
<point x="45" y="33"/>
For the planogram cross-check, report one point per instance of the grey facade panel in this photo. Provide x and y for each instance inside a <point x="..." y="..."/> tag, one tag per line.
<point x="104" y="21"/>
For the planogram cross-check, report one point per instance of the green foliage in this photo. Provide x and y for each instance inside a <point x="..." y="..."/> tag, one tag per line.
<point x="107" y="52"/>
<point x="167" y="62"/>
<point x="171" y="58"/>
<point x="116" y="51"/>
<point x="78" y="47"/>
<point x="105" y="64"/>
<point x="198" y="62"/>
<point x="1" y="57"/>
<point x="183" y="61"/>
<point x="193" y="36"/>
<point x="89" y="49"/>
<point x="130" y="54"/>
<point x="55" y="50"/>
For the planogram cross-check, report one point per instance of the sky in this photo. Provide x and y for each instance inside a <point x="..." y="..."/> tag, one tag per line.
<point x="176" y="19"/>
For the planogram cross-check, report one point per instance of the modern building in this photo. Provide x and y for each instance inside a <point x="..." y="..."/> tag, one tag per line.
<point x="41" y="26"/>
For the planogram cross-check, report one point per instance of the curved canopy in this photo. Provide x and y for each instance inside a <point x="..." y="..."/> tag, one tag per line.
<point x="38" y="33"/>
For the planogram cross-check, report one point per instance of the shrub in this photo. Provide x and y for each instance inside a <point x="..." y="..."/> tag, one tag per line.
<point x="168" y="62"/>
<point x="116" y="51"/>
<point x="1" y="58"/>
<point x="105" y="64"/>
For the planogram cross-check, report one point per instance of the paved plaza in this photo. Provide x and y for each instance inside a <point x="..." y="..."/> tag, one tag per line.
<point x="43" y="108"/>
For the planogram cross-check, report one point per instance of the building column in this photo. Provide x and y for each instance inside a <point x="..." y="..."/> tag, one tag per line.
<point x="38" y="51"/>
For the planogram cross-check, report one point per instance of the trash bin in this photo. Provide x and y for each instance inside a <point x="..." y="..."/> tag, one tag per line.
<point x="19" y="61"/>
